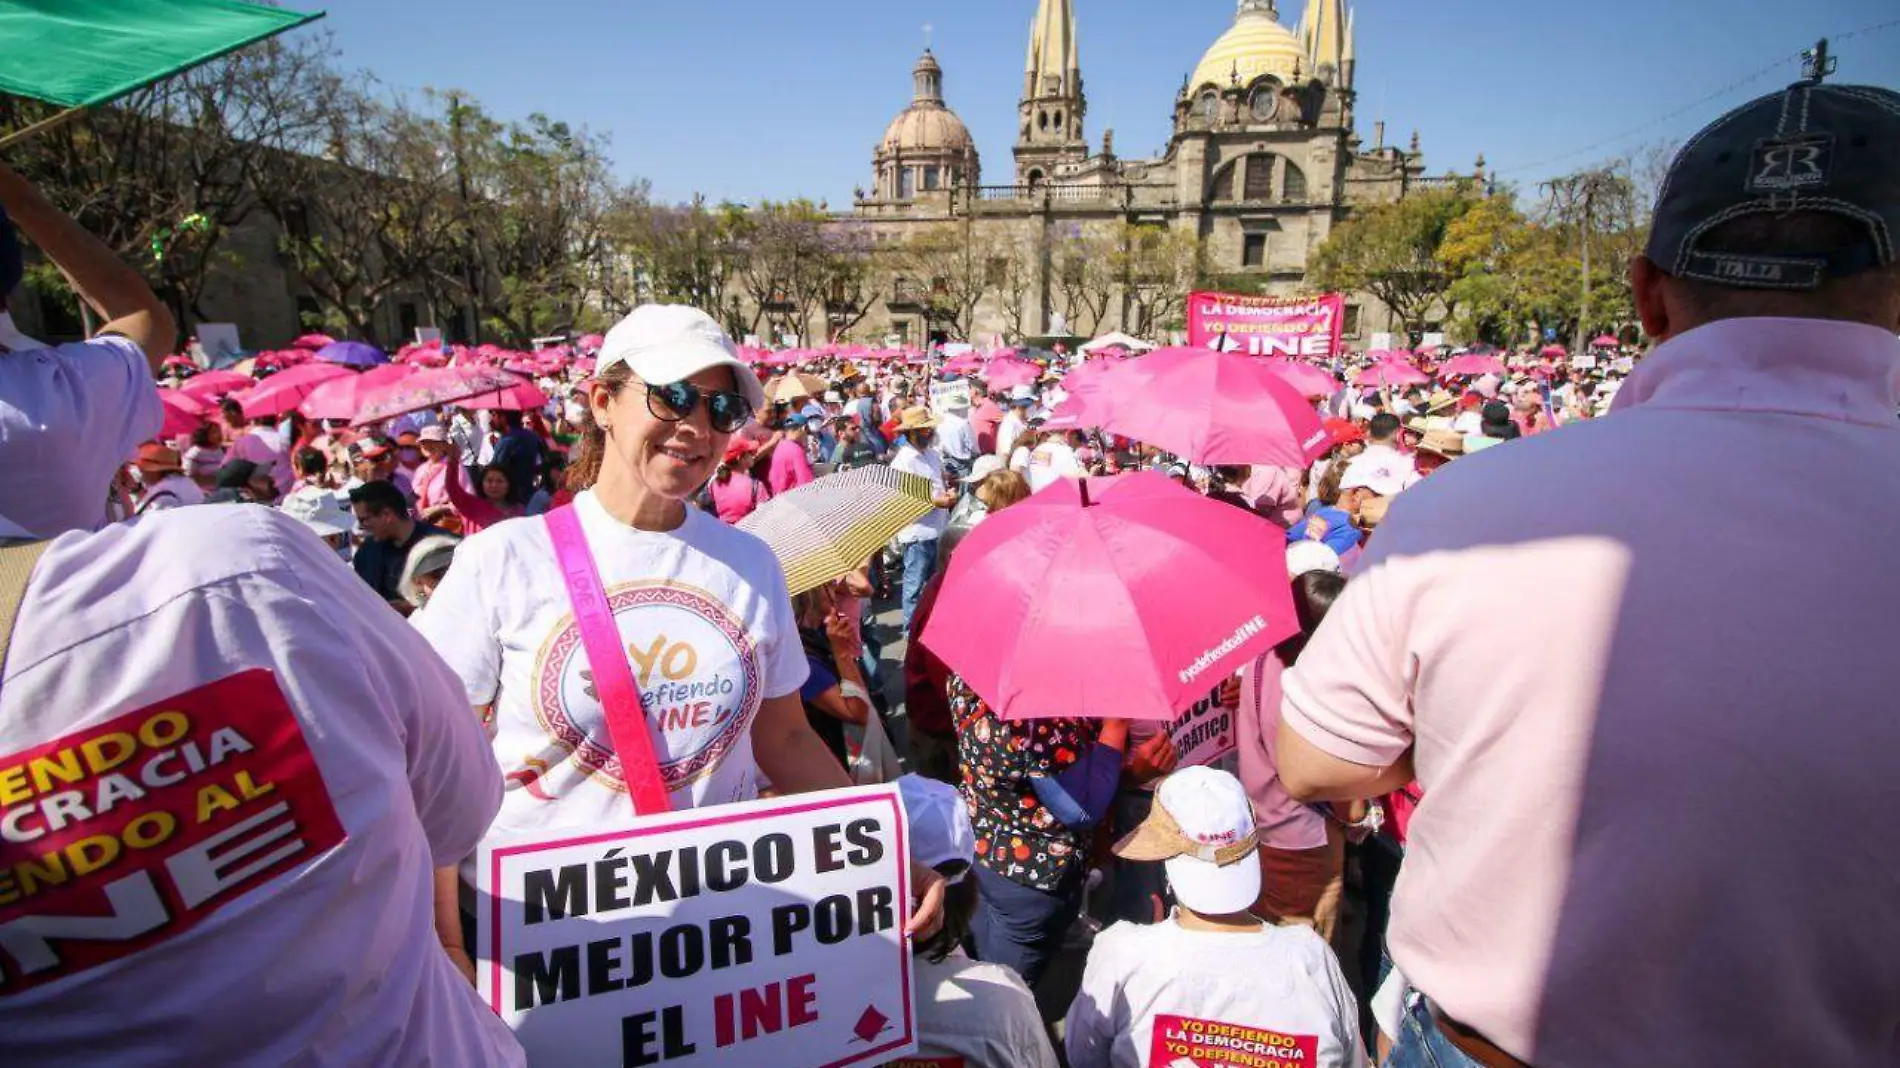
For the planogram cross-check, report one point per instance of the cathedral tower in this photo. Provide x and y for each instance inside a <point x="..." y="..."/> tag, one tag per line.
<point x="1053" y="106"/>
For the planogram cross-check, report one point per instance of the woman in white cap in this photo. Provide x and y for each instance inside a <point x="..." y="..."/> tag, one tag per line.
<point x="699" y="609"/>
<point x="1213" y="981"/>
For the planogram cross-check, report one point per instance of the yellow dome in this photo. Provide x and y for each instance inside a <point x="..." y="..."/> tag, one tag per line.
<point x="1256" y="44"/>
<point x="926" y="127"/>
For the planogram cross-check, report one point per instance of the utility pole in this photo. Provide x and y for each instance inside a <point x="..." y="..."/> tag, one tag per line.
<point x="468" y="254"/>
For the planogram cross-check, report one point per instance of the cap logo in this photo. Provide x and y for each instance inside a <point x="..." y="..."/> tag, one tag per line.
<point x="1791" y="164"/>
<point x="1760" y="272"/>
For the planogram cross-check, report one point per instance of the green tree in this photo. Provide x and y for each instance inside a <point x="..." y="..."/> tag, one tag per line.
<point x="1392" y="251"/>
<point x="1158" y="266"/>
<point x="952" y="269"/>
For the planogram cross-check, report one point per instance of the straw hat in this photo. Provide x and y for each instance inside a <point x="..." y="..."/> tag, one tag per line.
<point x="916" y="418"/>
<point x="158" y="459"/>
<point x="1447" y="443"/>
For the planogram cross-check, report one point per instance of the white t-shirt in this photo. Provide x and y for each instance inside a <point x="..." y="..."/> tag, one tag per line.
<point x="980" y="1012"/>
<point x="1053" y="459"/>
<point x="69" y="417"/>
<point x="172" y="491"/>
<point x="1283" y="980"/>
<point x="704" y="614"/>
<point x="926" y="464"/>
<point x="301" y="699"/>
<point x="1008" y="429"/>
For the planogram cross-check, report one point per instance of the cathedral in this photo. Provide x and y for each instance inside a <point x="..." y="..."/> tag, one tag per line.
<point x="1262" y="163"/>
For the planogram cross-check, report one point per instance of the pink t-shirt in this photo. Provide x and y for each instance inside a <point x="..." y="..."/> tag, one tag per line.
<point x="1283" y="822"/>
<point x="1658" y="815"/>
<point x="432" y="486"/>
<point x="791" y="468"/>
<point x="737" y="497"/>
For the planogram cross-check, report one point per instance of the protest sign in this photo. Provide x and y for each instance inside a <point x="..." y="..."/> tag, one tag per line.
<point x="1381" y="342"/>
<point x="1185" y="1042"/>
<point x="127" y="834"/>
<point x="950" y="396"/>
<point x="769" y="932"/>
<point x="1623" y="364"/>
<point x="1432" y="341"/>
<point x="219" y="342"/>
<point x="428" y="335"/>
<point x="1266" y="326"/>
<point x="1204" y="733"/>
<point x="1584" y="361"/>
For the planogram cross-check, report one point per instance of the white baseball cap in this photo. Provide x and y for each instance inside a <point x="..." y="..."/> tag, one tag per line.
<point x="986" y="465"/>
<point x="1376" y="473"/>
<point x="1305" y="556"/>
<point x="1202" y="827"/>
<point x="321" y="511"/>
<point x="939" y="821"/>
<point x="664" y="343"/>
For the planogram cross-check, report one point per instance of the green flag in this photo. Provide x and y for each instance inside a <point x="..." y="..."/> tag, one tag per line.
<point x="78" y="53"/>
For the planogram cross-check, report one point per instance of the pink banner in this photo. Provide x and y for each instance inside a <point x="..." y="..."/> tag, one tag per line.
<point x="1300" y="327"/>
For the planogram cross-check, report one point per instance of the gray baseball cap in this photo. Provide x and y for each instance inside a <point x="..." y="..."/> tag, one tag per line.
<point x="1833" y="149"/>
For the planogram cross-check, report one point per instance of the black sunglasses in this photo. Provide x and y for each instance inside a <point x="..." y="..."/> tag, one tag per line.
<point x="675" y="401"/>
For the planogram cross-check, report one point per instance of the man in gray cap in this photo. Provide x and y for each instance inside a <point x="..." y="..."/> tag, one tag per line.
<point x="1658" y="795"/>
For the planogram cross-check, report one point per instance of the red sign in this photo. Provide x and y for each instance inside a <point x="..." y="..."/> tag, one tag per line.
<point x="1299" y="327"/>
<point x="1185" y="1042"/>
<point x="119" y="837"/>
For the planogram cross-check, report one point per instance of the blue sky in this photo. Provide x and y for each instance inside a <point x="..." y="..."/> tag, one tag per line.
<point x="753" y="99"/>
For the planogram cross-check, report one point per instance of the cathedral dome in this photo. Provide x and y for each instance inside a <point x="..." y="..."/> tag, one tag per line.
<point x="926" y="127"/>
<point x="927" y="124"/>
<point x="1254" y="45"/>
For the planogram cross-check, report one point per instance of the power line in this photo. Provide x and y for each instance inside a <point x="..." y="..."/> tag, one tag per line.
<point x="1793" y="57"/>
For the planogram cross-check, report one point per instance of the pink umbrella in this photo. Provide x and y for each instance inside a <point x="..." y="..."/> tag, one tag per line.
<point x="341" y="398"/>
<point x="468" y="387"/>
<point x="183" y="413"/>
<point x="1309" y="380"/>
<point x="1131" y="594"/>
<point x="312" y="342"/>
<point x="216" y="384"/>
<point x="286" y="390"/>
<point x="1008" y="372"/>
<point x="591" y="342"/>
<point x="1553" y="352"/>
<point x="1212" y="408"/>
<point x="1383" y="375"/>
<point x="1606" y="341"/>
<point x="1471" y="365"/>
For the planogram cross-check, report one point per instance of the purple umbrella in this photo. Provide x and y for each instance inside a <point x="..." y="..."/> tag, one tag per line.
<point x="352" y="354"/>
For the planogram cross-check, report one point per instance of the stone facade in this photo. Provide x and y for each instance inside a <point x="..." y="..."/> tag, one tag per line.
<point x="1264" y="161"/>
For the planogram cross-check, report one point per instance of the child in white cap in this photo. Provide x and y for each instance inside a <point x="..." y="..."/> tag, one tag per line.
<point x="1212" y="983"/>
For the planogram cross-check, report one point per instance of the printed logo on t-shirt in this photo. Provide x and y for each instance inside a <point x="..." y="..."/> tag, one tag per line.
<point x="1185" y="1042"/>
<point x="120" y="837"/>
<point x="695" y="668"/>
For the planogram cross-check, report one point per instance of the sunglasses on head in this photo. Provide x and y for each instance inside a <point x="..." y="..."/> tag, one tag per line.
<point x="674" y="401"/>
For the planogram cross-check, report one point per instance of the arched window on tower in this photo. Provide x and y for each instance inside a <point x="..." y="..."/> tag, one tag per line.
<point x="1266" y="101"/>
<point x="1259" y="178"/>
<point x="1223" y="188"/>
<point x="1058" y="122"/>
<point x="1042" y="120"/>
<point x="1034" y="178"/>
<point x="1210" y="105"/>
<point x="906" y="183"/>
<point x="1293" y="187"/>
<point x="931" y="179"/>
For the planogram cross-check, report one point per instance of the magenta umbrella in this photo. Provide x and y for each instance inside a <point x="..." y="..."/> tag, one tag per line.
<point x="1384" y="375"/>
<point x="183" y="413"/>
<point x="1471" y="365"/>
<point x="286" y="390"/>
<point x="1606" y="341"/>
<point x="468" y="387"/>
<point x="342" y="398"/>
<point x="963" y="364"/>
<point x="1008" y="372"/>
<point x="313" y="342"/>
<point x="1129" y="594"/>
<point x="208" y="384"/>
<point x="1552" y="352"/>
<point x="1309" y="380"/>
<point x="1212" y="408"/>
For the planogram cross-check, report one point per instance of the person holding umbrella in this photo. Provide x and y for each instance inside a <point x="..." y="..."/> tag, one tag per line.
<point x="699" y="608"/>
<point x="917" y="455"/>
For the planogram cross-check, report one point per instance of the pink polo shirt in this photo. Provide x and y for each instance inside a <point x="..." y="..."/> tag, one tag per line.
<point x="1659" y="816"/>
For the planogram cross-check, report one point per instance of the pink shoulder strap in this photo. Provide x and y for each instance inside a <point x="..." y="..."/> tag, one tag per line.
<point x="613" y="675"/>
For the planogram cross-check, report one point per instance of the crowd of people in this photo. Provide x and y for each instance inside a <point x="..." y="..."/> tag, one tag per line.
<point x="1563" y="766"/>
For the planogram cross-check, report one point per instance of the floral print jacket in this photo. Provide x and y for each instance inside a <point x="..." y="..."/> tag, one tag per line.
<point x="1016" y="836"/>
